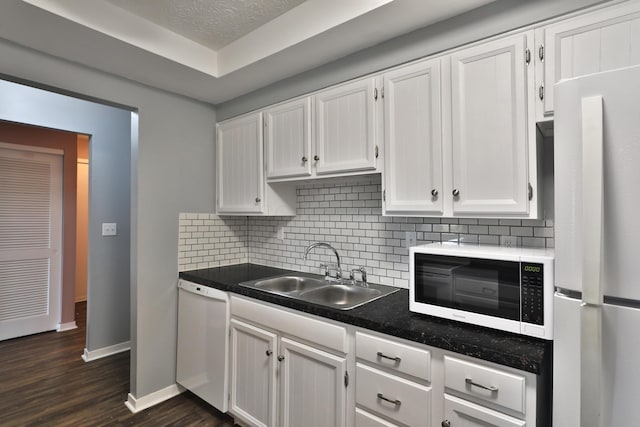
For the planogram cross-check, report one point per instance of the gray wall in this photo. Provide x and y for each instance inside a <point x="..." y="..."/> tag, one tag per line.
<point x="108" y="289"/>
<point x="495" y="18"/>
<point x="172" y="171"/>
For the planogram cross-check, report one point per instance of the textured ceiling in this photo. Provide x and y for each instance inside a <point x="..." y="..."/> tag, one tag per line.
<point x="212" y="23"/>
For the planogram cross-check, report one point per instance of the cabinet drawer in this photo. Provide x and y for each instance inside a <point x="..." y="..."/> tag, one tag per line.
<point x="365" y="419"/>
<point x="501" y="388"/>
<point x="393" y="355"/>
<point x="408" y="402"/>
<point x="459" y="412"/>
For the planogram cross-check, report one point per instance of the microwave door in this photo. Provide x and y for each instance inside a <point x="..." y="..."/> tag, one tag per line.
<point x="434" y="288"/>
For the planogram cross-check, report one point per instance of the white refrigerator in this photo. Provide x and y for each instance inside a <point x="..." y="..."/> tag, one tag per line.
<point x="596" y="366"/>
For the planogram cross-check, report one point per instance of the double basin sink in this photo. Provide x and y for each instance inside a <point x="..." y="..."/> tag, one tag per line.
<point x="317" y="290"/>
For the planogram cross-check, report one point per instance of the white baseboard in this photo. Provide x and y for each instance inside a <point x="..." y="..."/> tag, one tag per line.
<point x="151" y="399"/>
<point x="89" y="356"/>
<point x="66" y="326"/>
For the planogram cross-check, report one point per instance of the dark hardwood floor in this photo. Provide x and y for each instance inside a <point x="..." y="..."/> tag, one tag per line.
<point x="44" y="382"/>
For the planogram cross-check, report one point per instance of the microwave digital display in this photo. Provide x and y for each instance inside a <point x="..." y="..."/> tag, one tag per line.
<point x="532" y="293"/>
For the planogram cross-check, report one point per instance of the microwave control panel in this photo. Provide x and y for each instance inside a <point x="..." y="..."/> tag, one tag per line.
<point x="532" y="298"/>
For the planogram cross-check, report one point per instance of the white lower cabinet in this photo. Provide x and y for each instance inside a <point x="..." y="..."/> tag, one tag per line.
<point x="253" y="379"/>
<point x="392" y="382"/>
<point x="478" y="393"/>
<point x="312" y="386"/>
<point x="291" y="369"/>
<point x="399" y="383"/>
<point x="397" y="398"/>
<point x="278" y="380"/>
<point x="459" y="413"/>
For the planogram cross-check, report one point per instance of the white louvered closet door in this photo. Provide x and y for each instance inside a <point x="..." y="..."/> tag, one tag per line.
<point x="30" y="241"/>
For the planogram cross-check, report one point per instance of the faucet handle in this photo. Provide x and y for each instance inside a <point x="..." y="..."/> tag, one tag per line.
<point x="326" y="269"/>
<point x="333" y="271"/>
<point x="363" y="274"/>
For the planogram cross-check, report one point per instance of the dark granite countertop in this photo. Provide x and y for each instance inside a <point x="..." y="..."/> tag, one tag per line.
<point x="390" y="315"/>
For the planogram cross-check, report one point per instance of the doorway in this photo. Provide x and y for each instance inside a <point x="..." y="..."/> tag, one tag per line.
<point x="112" y="137"/>
<point x="67" y="143"/>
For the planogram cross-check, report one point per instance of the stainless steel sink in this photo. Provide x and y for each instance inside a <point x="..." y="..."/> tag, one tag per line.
<point x="341" y="296"/>
<point x="289" y="284"/>
<point x="317" y="290"/>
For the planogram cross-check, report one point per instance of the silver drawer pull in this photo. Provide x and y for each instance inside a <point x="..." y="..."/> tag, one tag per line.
<point x="384" y="356"/>
<point x="491" y="388"/>
<point x="386" y="399"/>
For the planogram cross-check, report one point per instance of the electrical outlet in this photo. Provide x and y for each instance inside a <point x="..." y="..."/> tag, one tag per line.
<point x="109" y="229"/>
<point x="280" y="233"/>
<point x="509" y="241"/>
<point x="409" y="239"/>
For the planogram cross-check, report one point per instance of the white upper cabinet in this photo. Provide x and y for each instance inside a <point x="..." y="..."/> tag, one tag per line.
<point x="602" y="40"/>
<point x="240" y="172"/>
<point x="493" y="128"/>
<point x="413" y="140"/>
<point x="288" y="139"/>
<point x="241" y="175"/>
<point x="345" y="128"/>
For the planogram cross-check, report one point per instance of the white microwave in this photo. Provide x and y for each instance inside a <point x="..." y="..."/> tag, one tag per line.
<point x="510" y="289"/>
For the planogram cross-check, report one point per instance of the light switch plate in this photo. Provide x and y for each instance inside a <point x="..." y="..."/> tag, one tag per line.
<point x="109" y="229"/>
<point x="280" y="233"/>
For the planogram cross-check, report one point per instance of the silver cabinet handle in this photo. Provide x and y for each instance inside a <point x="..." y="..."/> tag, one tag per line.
<point x="446" y="423"/>
<point x="316" y="158"/>
<point x="541" y="93"/>
<point x="257" y="199"/>
<point x="455" y="192"/>
<point x="386" y="399"/>
<point x="269" y="352"/>
<point x="384" y="356"/>
<point x="491" y="388"/>
<point x="434" y="192"/>
<point x="304" y="159"/>
<point x="280" y="358"/>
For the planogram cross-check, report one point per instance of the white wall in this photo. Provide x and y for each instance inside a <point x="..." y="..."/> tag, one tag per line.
<point x="172" y="172"/>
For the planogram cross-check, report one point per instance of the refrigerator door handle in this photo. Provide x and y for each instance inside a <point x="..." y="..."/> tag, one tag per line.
<point x="592" y="194"/>
<point x="592" y="225"/>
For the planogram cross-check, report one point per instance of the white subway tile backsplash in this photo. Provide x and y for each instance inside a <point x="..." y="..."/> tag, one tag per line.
<point x="347" y="215"/>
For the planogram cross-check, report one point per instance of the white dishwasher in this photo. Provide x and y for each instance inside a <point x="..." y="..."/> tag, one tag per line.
<point x="203" y="342"/>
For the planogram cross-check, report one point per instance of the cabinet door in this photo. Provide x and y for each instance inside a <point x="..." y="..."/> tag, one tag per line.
<point x="491" y="127"/>
<point x="599" y="41"/>
<point x="345" y="128"/>
<point x="288" y="139"/>
<point x="413" y="140"/>
<point x="253" y="365"/>
<point x="240" y="165"/>
<point x="459" y="412"/>
<point x="312" y="386"/>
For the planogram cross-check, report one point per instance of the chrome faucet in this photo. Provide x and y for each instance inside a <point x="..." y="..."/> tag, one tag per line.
<point x="328" y="246"/>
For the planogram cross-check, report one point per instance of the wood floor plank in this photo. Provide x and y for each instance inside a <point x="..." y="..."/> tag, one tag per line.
<point x="44" y="382"/>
